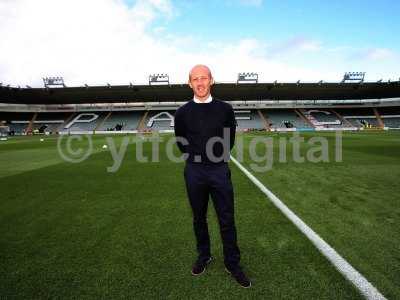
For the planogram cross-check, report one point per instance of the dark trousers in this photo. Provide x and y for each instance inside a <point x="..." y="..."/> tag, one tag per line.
<point x="215" y="180"/>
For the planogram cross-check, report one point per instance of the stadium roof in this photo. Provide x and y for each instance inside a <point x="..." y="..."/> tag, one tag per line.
<point x="182" y="92"/>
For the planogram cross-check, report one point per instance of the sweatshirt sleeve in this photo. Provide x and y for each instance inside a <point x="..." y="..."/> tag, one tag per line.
<point x="180" y="131"/>
<point x="232" y="126"/>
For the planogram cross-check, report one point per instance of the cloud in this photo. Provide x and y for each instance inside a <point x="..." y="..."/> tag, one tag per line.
<point x="296" y="44"/>
<point x="85" y="41"/>
<point x="251" y="2"/>
<point x="100" y="41"/>
<point x="377" y="54"/>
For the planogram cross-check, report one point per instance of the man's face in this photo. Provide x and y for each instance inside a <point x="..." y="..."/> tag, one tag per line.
<point x="200" y="80"/>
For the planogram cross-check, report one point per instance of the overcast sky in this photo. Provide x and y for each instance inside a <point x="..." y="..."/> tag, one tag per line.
<point x="121" y="41"/>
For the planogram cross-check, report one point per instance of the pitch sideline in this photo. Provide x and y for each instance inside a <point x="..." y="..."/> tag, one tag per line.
<point x="348" y="271"/>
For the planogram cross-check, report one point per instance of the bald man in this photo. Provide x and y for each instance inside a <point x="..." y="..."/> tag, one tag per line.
<point x="205" y="130"/>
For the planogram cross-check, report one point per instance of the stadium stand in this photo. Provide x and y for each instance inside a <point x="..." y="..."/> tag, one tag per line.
<point x="84" y="122"/>
<point x="248" y="120"/>
<point x="50" y="121"/>
<point x="360" y="117"/>
<point x="324" y="118"/>
<point x="128" y="119"/>
<point x="391" y="121"/>
<point x="17" y="122"/>
<point x="160" y="120"/>
<point x="285" y="118"/>
<point x="264" y="106"/>
<point x="390" y="116"/>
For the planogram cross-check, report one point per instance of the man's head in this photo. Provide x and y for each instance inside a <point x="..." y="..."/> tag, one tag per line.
<point x="200" y="80"/>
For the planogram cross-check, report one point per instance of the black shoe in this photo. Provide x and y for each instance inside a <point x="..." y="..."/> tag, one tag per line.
<point x="200" y="266"/>
<point x="240" y="277"/>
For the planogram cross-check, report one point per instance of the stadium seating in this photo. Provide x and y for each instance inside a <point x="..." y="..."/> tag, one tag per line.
<point x="79" y="125"/>
<point x="160" y="120"/>
<point x="390" y="116"/>
<point x="391" y="122"/>
<point x="50" y="121"/>
<point x="324" y="118"/>
<point x="17" y="122"/>
<point x="128" y="119"/>
<point x="360" y="117"/>
<point x="248" y="119"/>
<point x="278" y="118"/>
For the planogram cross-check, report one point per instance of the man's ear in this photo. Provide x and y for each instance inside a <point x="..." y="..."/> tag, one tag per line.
<point x="212" y="81"/>
<point x="190" y="84"/>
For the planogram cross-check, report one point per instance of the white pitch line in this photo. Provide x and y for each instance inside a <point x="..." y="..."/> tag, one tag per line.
<point x="360" y="282"/>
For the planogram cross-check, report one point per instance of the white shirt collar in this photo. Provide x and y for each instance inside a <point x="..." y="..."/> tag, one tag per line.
<point x="208" y="100"/>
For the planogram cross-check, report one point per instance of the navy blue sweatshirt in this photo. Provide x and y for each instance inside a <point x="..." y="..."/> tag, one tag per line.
<point x="197" y="123"/>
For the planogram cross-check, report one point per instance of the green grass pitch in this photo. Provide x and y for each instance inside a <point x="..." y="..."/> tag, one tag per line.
<point x="77" y="231"/>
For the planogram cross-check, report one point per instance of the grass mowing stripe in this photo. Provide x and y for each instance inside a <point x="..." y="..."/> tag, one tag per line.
<point x="362" y="284"/>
